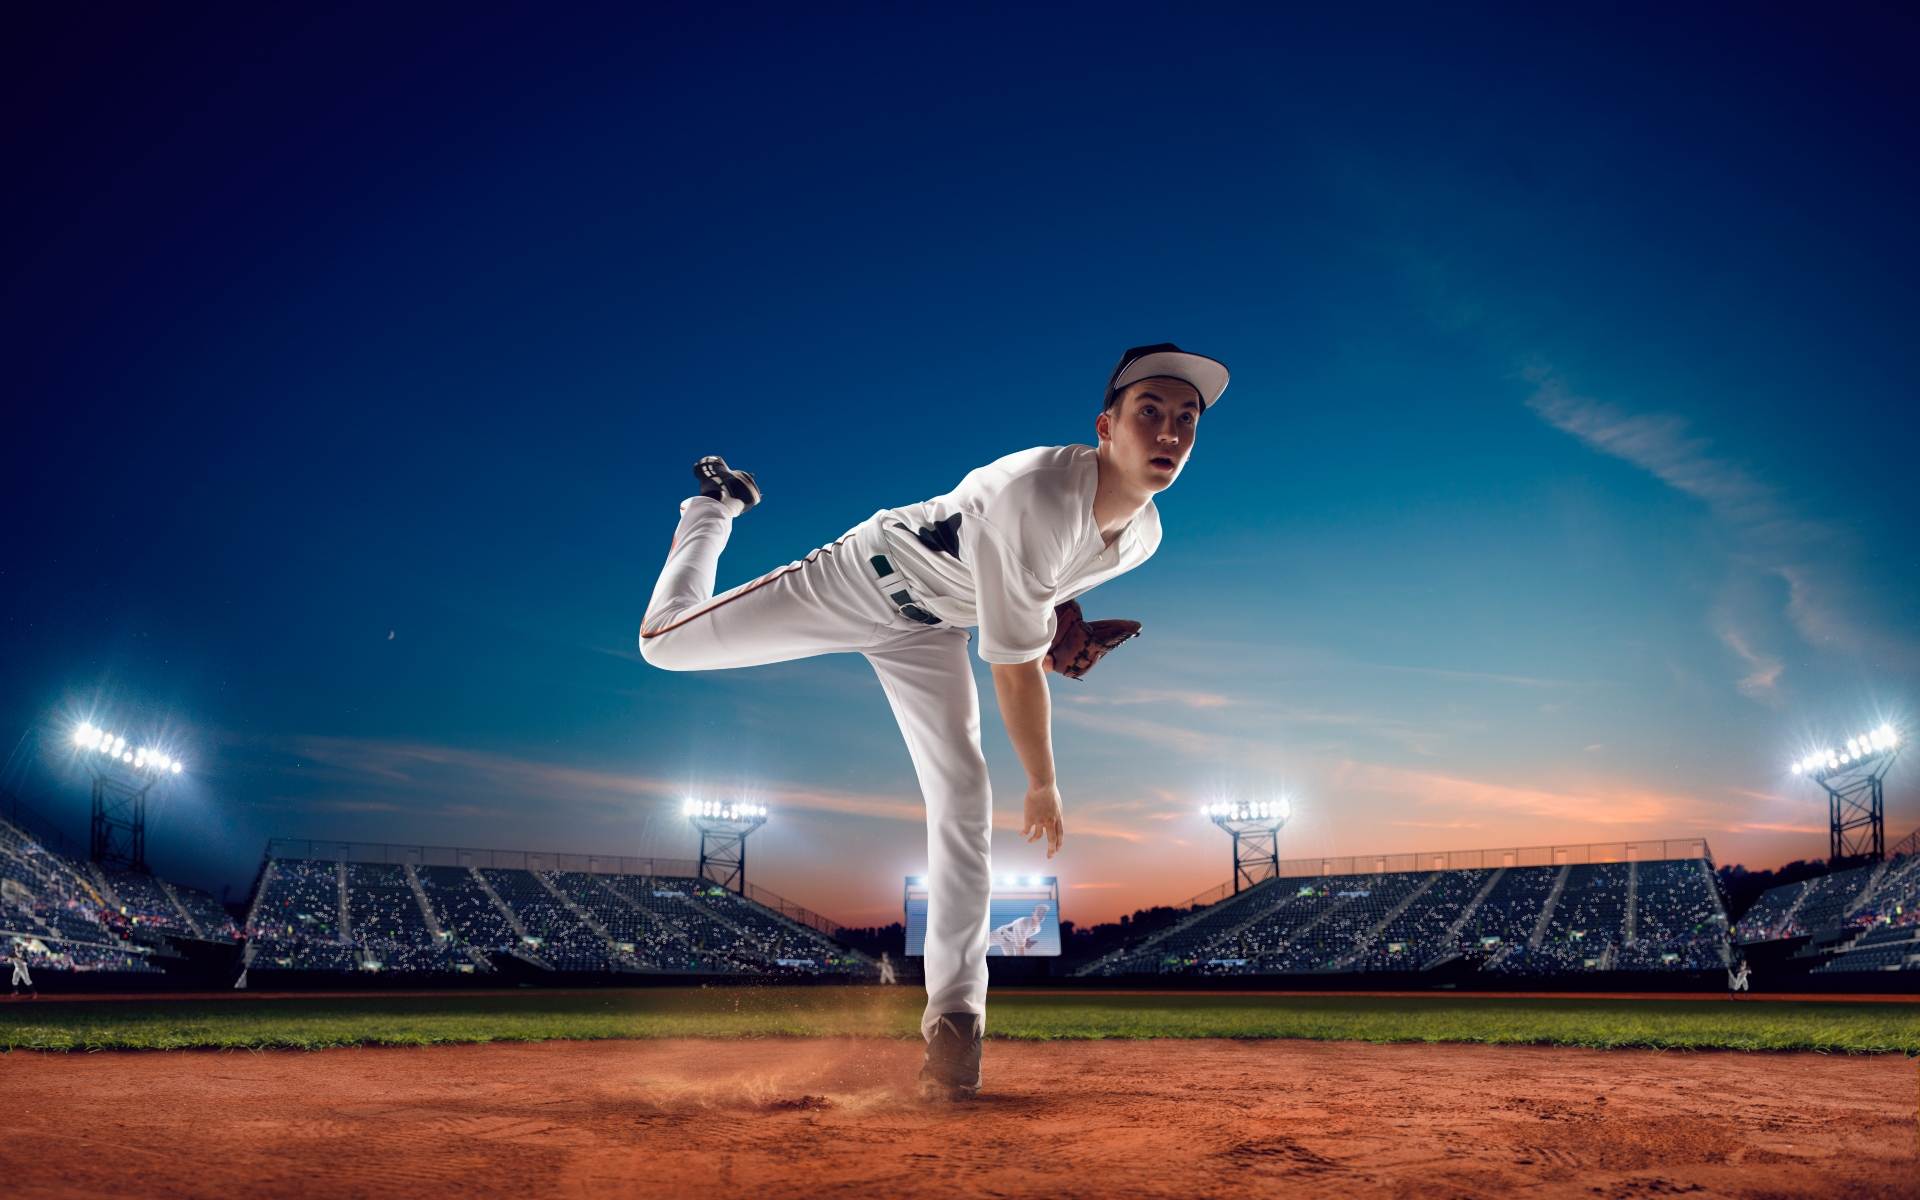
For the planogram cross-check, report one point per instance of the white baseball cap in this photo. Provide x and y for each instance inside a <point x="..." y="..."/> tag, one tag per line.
<point x="1208" y="376"/>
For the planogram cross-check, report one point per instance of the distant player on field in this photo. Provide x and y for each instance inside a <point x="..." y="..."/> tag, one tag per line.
<point x="1007" y="550"/>
<point x="21" y="977"/>
<point x="1737" y="980"/>
<point x="886" y="969"/>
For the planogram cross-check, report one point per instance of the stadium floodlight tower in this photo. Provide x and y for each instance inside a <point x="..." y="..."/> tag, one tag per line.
<point x="1255" y="826"/>
<point x="1851" y="776"/>
<point x="723" y="839"/>
<point x="123" y="774"/>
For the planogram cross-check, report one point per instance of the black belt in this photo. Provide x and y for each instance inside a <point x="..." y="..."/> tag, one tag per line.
<point x="896" y="590"/>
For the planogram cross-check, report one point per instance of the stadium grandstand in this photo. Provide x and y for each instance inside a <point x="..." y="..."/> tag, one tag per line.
<point x="1862" y="919"/>
<point x="1537" y="912"/>
<point x="63" y="915"/>
<point x="425" y="911"/>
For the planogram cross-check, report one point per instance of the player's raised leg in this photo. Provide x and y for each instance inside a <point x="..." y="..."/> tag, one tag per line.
<point x="929" y="683"/>
<point x="814" y="605"/>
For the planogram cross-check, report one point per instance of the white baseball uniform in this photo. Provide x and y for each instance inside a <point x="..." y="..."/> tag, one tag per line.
<point x="1013" y="539"/>
<point x="1017" y="936"/>
<point x="20" y="976"/>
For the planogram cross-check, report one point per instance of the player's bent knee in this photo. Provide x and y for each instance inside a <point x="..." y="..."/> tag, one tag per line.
<point x="658" y="651"/>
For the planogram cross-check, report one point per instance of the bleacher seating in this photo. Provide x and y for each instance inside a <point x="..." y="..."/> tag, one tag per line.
<point x="1585" y="929"/>
<point x="297" y="916"/>
<point x="216" y="923"/>
<point x="1416" y="937"/>
<point x="561" y="939"/>
<point x="1680" y="923"/>
<point x="1352" y="907"/>
<point x="389" y="926"/>
<point x="145" y="905"/>
<point x="1419" y="920"/>
<point x="1506" y="919"/>
<point x="783" y="946"/>
<point x="1860" y="919"/>
<point x="53" y="914"/>
<point x="464" y="910"/>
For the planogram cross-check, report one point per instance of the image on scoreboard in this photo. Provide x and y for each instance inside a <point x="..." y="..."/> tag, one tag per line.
<point x="1024" y="920"/>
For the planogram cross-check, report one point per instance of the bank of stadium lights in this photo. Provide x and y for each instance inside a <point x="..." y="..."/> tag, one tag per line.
<point x="1854" y="752"/>
<point x="1254" y="826"/>
<point x="724" y="826"/>
<point x="1249" y="810"/>
<point x="718" y="811"/>
<point x="1853" y="775"/>
<point x="115" y="747"/>
<point x="123" y="773"/>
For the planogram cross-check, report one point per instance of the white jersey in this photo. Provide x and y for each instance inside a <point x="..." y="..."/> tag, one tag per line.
<point x="1015" y="538"/>
<point x="1018" y="936"/>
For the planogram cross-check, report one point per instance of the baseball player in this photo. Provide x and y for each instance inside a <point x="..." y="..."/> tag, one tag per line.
<point x="1005" y="551"/>
<point x="1737" y="980"/>
<point x="887" y="975"/>
<point x="1019" y="935"/>
<point x="21" y="978"/>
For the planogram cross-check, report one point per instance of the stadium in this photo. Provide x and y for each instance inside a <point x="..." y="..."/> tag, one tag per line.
<point x="481" y="957"/>
<point x="1046" y="602"/>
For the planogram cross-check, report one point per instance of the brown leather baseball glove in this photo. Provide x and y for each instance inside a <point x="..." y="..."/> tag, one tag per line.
<point x="1079" y="643"/>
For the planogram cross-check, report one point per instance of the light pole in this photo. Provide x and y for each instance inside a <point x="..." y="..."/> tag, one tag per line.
<point x="723" y="839"/>
<point x="123" y="773"/>
<point x="1255" y="827"/>
<point x="1851" y="775"/>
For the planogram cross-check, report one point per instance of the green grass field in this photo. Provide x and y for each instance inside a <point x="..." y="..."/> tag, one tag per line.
<point x="260" y="1023"/>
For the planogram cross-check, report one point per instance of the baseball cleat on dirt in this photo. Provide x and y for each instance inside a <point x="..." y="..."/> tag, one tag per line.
<point x="952" y="1067"/>
<point x="734" y="489"/>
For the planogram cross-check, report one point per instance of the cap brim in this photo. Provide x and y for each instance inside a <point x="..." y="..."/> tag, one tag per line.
<point x="1208" y="376"/>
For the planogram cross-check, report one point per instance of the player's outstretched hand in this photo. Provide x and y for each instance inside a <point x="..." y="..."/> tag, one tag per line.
<point x="1044" y="817"/>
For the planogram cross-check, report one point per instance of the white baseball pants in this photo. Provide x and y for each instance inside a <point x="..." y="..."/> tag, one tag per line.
<point x="830" y="602"/>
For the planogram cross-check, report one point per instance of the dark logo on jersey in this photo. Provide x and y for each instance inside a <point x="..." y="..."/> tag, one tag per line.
<point x="943" y="537"/>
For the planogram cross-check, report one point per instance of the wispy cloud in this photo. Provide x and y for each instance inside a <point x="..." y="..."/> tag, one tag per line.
<point x="1763" y="676"/>
<point x="1777" y="827"/>
<point x="1127" y="696"/>
<point x="1611" y="804"/>
<point x="1658" y="443"/>
<point x="429" y="777"/>
<point x="1774" y="542"/>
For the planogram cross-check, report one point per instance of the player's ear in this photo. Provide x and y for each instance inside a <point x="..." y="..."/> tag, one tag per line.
<point x="1103" y="425"/>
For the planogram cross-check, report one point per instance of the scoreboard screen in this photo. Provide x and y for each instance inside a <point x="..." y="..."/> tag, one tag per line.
<point x="1024" y="921"/>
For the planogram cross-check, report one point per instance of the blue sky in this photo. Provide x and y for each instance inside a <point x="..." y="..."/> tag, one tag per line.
<point x="359" y="360"/>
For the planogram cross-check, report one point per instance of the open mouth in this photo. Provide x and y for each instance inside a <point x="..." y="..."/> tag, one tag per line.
<point x="1161" y="461"/>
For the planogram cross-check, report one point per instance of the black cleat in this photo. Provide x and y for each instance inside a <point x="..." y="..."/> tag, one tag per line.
<point x="718" y="481"/>
<point x="952" y="1067"/>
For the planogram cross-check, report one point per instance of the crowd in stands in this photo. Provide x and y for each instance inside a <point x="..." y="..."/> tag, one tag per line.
<point x="1419" y="933"/>
<point x="1662" y="916"/>
<point x="1864" y="918"/>
<point x="296" y="916"/>
<point x="55" y="917"/>
<point x="1681" y="923"/>
<point x="440" y="919"/>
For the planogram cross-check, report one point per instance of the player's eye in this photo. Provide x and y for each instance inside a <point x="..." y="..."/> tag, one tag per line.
<point x="1148" y="410"/>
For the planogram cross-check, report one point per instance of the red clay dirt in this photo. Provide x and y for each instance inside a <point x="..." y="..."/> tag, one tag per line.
<point x="837" y="1117"/>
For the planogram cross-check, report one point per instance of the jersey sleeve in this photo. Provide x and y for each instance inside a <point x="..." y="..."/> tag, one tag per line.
<point x="1015" y="608"/>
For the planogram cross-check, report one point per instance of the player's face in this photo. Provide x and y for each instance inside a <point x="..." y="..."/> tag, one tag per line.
<point x="1152" y="428"/>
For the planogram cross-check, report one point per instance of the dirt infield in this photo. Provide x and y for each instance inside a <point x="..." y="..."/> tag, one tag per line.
<point x="809" y="1117"/>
